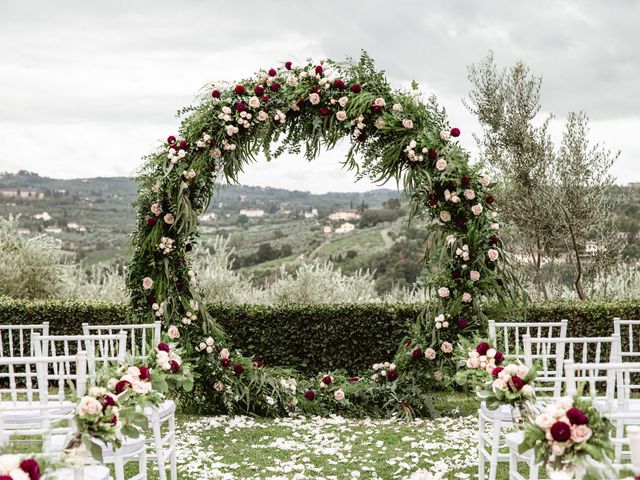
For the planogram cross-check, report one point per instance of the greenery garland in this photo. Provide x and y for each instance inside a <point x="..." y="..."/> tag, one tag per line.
<point x="304" y="109"/>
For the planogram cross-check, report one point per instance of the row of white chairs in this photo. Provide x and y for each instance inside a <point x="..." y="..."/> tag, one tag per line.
<point x="24" y="348"/>
<point x="545" y="344"/>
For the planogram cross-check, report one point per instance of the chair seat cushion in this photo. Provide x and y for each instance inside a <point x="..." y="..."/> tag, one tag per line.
<point x="20" y="413"/>
<point x="165" y="409"/>
<point x="90" y="472"/>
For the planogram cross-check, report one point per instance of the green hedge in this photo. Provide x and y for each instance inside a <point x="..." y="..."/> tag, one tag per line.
<point x="318" y="337"/>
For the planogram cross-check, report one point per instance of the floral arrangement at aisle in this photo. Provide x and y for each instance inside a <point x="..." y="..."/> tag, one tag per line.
<point x="165" y="370"/>
<point x="476" y="364"/>
<point x="393" y="135"/>
<point x="571" y="438"/>
<point x="511" y="384"/>
<point x="20" y="467"/>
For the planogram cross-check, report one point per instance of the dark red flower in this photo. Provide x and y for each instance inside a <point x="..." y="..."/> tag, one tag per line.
<point x="432" y="154"/>
<point x="463" y="323"/>
<point x="499" y="358"/>
<point x="238" y="369"/>
<point x="315" y="90"/>
<point x="107" y="401"/>
<point x="114" y="420"/>
<point x="461" y="220"/>
<point x="145" y="374"/>
<point x="455" y="132"/>
<point x="301" y="103"/>
<point x="356" y="88"/>
<point x="324" y="112"/>
<point x="287" y="65"/>
<point x="376" y="109"/>
<point x="496" y="371"/>
<point x="151" y="299"/>
<point x="241" y="106"/>
<point x="490" y="199"/>
<point x="275" y="86"/>
<point x="354" y="379"/>
<point x="327" y="379"/>
<point x="225" y="362"/>
<point x="561" y="431"/>
<point x="456" y="274"/>
<point x="184" y="145"/>
<point x="577" y="416"/>
<point x="392" y="375"/>
<point x="259" y="90"/>
<point x="215" y="94"/>
<point x="339" y="84"/>
<point x="483" y="348"/>
<point x="417" y="353"/>
<point x="188" y="247"/>
<point x="408" y="343"/>
<point x="171" y="140"/>
<point x="240" y="90"/>
<point x="121" y="386"/>
<point x="272" y="72"/>
<point x="151" y="221"/>
<point x="310" y="395"/>
<point x="432" y="202"/>
<point x="464" y="181"/>
<point x="5" y="477"/>
<point x="516" y="383"/>
<point x="264" y="98"/>
<point x="493" y="240"/>
<point x="258" y="363"/>
<point x="180" y="286"/>
<point x="31" y="467"/>
<point x="164" y="347"/>
<point x="362" y="137"/>
<point x="319" y="69"/>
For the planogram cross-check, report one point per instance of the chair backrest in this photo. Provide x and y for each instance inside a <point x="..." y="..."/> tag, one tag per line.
<point x="142" y="337"/>
<point x="15" y="340"/>
<point x="507" y="336"/>
<point x="599" y="378"/>
<point x="629" y="332"/>
<point x="550" y="354"/>
<point x="101" y="350"/>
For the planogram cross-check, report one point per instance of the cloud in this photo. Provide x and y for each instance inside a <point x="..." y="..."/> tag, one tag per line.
<point x="89" y="87"/>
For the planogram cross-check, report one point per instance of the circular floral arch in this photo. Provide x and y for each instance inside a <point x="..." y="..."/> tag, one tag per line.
<point x="303" y="109"/>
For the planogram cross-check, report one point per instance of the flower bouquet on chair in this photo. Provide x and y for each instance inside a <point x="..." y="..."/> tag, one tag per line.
<point x="511" y="385"/>
<point x="476" y="361"/>
<point x="20" y="467"/>
<point x="571" y="438"/>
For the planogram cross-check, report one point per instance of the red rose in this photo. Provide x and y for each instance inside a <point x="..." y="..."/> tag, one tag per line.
<point x="432" y="154"/>
<point x="315" y="90"/>
<point x="455" y="275"/>
<point x="577" y="416"/>
<point x="287" y="65"/>
<point x="339" y="84"/>
<point x="175" y="366"/>
<point x="164" y="347"/>
<point x="417" y="354"/>
<point x="324" y="112"/>
<point x="560" y="432"/>
<point x="310" y="395"/>
<point x="275" y="86"/>
<point x="259" y="90"/>
<point x="151" y="221"/>
<point x="225" y="362"/>
<point x="461" y="220"/>
<point x="499" y="358"/>
<point x="272" y="72"/>
<point x="241" y="106"/>
<point x="264" y="98"/>
<point x="516" y="383"/>
<point x="301" y="103"/>
<point x="356" y="88"/>
<point x="184" y="145"/>
<point x="376" y="108"/>
<point x="362" y="137"/>
<point x="240" y="90"/>
<point x="354" y="379"/>
<point x="213" y="142"/>
<point x="462" y="323"/>
<point x="144" y="373"/>
<point x="432" y="202"/>
<point x="107" y="401"/>
<point x="392" y="375"/>
<point x="258" y="363"/>
<point x="319" y="69"/>
<point x="121" y="386"/>
<point x="215" y="94"/>
<point x="188" y="247"/>
<point x="327" y="380"/>
<point x="490" y="199"/>
<point x="455" y="132"/>
<point x="5" y="477"/>
<point x="464" y="181"/>
<point x="151" y="299"/>
<point x="496" y="371"/>
<point x="238" y="369"/>
<point x="114" y="420"/>
<point x="483" y="348"/>
<point x="493" y="239"/>
<point x="171" y="140"/>
<point x="31" y="467"/>
<point x="408" y="343"/>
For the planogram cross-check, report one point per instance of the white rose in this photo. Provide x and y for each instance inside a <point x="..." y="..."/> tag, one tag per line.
<point x="472" y="363"/>
<point x="476" y="209"/>
<point x="141" y="388"/>
<point x="254" y="102"/>
<point x="493" y="254"/>
<point x="438" y="376"/>
<point x="512" y="369"/>
<point x="209" y="341"/>
<point x="445" y="216"/>
<point x="430" y="353"/>
<point x="314" y="98"/>
<point x="397" y="107"/>
<point x="557" y="449"/>
<point x="527" y="391"/>
<point x="379" y="102"/>
<point x="343" y="101"/>
<point x="407" y="123"/>
<point x="224" y="353"/>
<point x="466" y="297"/>
<point x="451" y="239"/>
<point x="499" y="384"/>
<point x="89" y="405"/>
<point x="111" y="384"/>
<point x="338" y="395"/>
<point x="441" y="164"/>
<point x="495" y="226"/>
<point x="504" y="376"/>
<point x="19" y="474"/>
<point x="443" y="292"/>
<point x="564" y="403"/>
<point x="485" y="180"/>
<point x="134" y="372"/>
<point x="262" y="115"/>
<point x="544" y="421"/>
<point x="8" y="463"/>
<point x="474" y="275"/>
<point x="469" y="194"/>
<point x="491" y="353"/>
<point x="341" y="115"/>
<point x="523" y="371"/>
<point x="379" y="123"/>
<point x="209" y="349"/>
<point x="218" y="386"/>
<point x="147" y="283"/>
<point x="162" y="356"/>
<point x="445" y="135"/>
<point x="173" y="332"/>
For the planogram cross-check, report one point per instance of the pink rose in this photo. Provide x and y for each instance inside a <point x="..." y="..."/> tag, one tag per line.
<point x="169" y="219"/>
<point x="469" y="194"/>
<point x="466" y="297"/>
<point x="338" y="395"/>
<point x="476" y="209"/>
<point x="173" y="332"/>
<point x="580" y="433"/>
<point x="443" y="292"/>
<point x="441" y="164"/>
<point x="341" y="115"/>
<point x="438" y="376"/>
<point x="147" y="283"/>
<point x="445" y="216"/>
<point x="430" y="354"/>
<point x="493" y="254"/>
<point x="407" y="123"/>
<point x="224" y="354"/>
<point x="314" y="98"/>
<point x="474" y="275"/>
<point x="446" y="347"/>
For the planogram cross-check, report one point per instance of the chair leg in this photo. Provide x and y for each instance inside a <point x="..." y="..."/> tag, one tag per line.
<point x="533" y="469"/>
<point x="172" y="445"/>
<point x="157" y="443"/>
<point x="495" y="449"/>
<point x="118" y="465"/>
<point x="481" y="446"/>
<point x="513" y="464"/>
<point x="142" y="463"/>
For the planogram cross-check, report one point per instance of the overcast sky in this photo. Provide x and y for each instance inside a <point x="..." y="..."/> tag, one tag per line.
<point x="87" y="88"/>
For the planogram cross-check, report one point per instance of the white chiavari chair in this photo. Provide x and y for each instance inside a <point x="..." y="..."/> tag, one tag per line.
<point x="142" y="337"/>
<point x="629" y="332"/>
<point x="15" y="340"/>
<point x="506" y="337"/>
